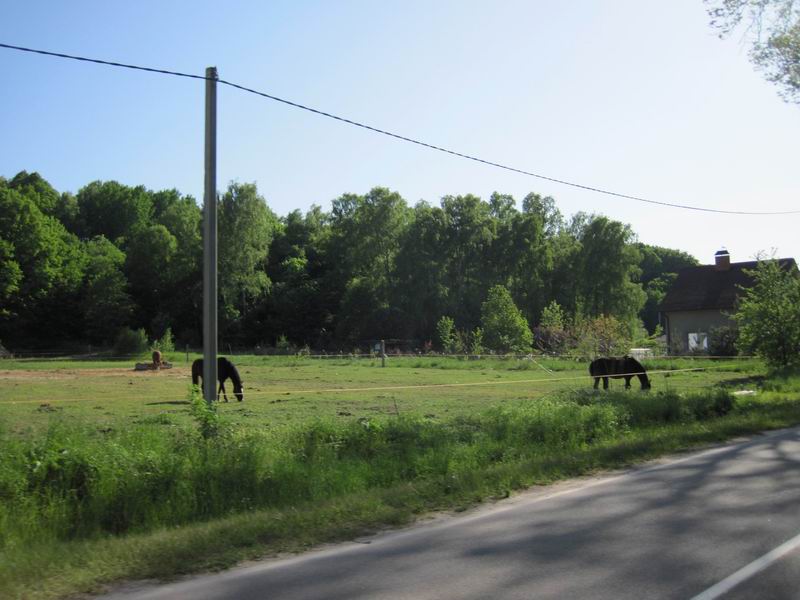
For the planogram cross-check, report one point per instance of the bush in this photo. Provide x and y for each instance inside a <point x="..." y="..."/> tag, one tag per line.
<point x="600" y="336"/>
<point x="722" y="341"/>
<point x="130" y="343"/>
<point x="284" y="346"/>
<point x="553" y="317"/>
<point x="446" y="335"/>
<point x="769" y="315"/>
<point x="166" y="343"/>
<point x="476" y="341"/>
<point x="551" y="340"/>
<point x="658" y="408"/>
<point x="504" y="327"/>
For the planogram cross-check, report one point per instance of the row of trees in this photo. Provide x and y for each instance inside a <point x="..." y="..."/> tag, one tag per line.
<point x="83" y="266"/>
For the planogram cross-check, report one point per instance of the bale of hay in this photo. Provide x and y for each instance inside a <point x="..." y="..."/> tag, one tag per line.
<point x="151" y="366"/>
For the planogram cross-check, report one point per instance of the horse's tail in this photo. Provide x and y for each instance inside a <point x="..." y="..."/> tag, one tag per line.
<point x="598" y="367"/>
<point x="197" y="369"/>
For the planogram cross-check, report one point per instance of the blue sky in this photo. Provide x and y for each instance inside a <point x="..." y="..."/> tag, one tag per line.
<point x="635" y="96"/>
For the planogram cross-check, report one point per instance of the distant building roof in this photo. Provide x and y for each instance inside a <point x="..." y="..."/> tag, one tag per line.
<point x="709" y="287"/>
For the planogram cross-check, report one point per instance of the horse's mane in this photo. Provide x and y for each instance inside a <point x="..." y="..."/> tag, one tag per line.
<point x="629" y="360"/>
<point x="232" y="372"/>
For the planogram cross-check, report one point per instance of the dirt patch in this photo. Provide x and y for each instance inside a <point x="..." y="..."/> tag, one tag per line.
<point x="23" y="375"/>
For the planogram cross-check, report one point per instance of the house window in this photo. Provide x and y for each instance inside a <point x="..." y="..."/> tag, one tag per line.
<point x="698" y="342"/>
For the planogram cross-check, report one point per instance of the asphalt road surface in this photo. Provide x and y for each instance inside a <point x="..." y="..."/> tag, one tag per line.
<point x="721" y="523"/>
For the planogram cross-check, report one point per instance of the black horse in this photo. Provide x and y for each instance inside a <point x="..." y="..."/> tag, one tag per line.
<point x="617" y="368"/>
<point x="225" y="370"/>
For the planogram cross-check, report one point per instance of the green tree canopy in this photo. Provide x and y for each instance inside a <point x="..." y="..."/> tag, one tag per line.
<point x="421" y="290"/>
<point x="608" y="264"/>
<point x="466" y="245"/>
<point x="44" y="270"/>
<point x="46" y="255"/>
<point x="246" y="228"/>
<point x="773" y="28"/>
<point x="150" y="269"/>
<point x="10" y="276"/>
<point x="371" y="267"/>
<point x="366" y="232"/>
<point x="106" y="302"/>
<point x="113" y="210"/>
<point x="35" y="188"/>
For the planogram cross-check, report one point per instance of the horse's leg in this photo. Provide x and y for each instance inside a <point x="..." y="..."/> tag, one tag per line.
<point x="596" y="382"/>
<point x="224" y="393"/>
<point x="605" y="383"/>
<point x="627" y="383"/>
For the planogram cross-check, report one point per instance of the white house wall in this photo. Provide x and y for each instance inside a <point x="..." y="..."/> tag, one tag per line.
<point x="681" y="323"/>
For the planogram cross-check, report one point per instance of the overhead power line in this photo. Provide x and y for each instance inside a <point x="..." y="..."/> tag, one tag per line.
<point x="400" y="137"/>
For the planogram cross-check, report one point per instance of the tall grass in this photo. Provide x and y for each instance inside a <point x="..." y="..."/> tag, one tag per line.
<point x="81" y="482"/>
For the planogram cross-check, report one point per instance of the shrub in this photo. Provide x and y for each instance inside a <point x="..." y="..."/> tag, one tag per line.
<point x="284" y="346"/>
<point x="130" y="343"/>
<point x="553" y="316"/>
<point x="551" y="340"/>
<point x="722" y="341"/>
<point x="476" y="341"/>
<point x="446" y="334"/>
<point x="205" y="415"/>
<point x="769" y="315"/>
<point x="504" y="327"/>
<point x="600" y="336"/>
<point x="642" y="409"/>
<point x="166" y="343"/>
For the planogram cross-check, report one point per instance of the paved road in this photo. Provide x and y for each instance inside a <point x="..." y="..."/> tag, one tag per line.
<point x="668" y="531"/>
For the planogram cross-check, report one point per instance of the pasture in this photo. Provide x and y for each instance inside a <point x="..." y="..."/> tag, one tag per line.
<point x="281" y="391"/>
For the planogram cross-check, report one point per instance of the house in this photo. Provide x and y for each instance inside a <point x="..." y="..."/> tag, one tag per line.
<point x="703" y="298"/>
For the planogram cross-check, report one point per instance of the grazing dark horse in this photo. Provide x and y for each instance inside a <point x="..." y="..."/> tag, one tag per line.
<point x="225" y="370"/>
<point x="617" y="368"/>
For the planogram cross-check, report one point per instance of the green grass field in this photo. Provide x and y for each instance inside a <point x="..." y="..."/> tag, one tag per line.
<point x="107" y="473"/>
<point x="283" y="391"/>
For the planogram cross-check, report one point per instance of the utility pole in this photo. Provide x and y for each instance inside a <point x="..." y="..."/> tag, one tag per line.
<point x="210" y="242"/>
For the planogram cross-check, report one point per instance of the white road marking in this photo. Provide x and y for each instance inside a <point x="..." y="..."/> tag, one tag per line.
<point x="745" y="573"/>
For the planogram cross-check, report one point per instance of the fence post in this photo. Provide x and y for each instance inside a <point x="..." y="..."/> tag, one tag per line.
<point x="383" y="353"/>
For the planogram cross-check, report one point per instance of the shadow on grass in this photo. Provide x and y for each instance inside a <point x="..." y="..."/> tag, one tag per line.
<point x="167" y="402"/>
<point x="740" y="381"/>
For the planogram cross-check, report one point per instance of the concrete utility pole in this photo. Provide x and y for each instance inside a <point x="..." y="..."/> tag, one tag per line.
<point x="210" y="242"/>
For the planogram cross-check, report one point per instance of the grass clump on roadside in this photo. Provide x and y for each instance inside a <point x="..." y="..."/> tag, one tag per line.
<point x="94" y="499"/>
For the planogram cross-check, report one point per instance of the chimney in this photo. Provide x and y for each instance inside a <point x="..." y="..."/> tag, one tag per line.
<point x="722" y="260"/>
